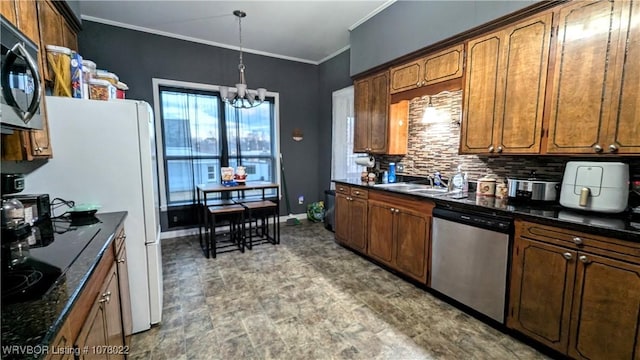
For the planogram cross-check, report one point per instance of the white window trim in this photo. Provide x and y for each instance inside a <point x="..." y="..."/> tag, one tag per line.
<point x="347" y="92"/>
<point x="157" y="83"/>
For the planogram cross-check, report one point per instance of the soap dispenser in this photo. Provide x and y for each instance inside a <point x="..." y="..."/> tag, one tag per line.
<point x="458" y="181"/>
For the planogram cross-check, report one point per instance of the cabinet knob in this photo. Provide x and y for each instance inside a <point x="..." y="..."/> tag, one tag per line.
<point x="577" y="240"/>
<point x="613" y="148"/>
<point x="584" y="259"/>
<point x="597" y="148"/>
<point x="106" y="297"/>
<point x="38" y="149"/>
<point x="567" y="255"/>
<point x="491" y="148"/>
<point x="357" y="192"/>
<point x="120" y="261"/>
<point x="341" y="189"/>
<point x="418" y="83"/>
<point x="392" y="209"/>
<point x="397" y="211"/>
<point x="500" y="149"/>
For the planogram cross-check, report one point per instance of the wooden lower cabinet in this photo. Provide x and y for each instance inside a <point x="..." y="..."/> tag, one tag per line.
<point x="125" y="297"/>
<point x="399" y="233"/>
<point x="351" y="218"/>
<point x="579" y="303"/>
<point x="101" y="333"/>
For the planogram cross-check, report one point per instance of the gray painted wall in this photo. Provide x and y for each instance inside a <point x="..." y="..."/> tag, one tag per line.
<point x="137" y="57"/>
<point x="407" y="26"/>
<point x="334" y="75"/>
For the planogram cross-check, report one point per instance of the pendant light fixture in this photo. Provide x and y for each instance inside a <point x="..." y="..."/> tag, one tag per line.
<point x="241" y="97"/>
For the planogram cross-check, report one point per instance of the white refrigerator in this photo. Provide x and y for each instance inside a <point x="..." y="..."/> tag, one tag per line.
<point x="104" y="153"/>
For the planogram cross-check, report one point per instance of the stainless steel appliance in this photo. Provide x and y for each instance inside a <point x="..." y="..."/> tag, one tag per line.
<point x="595" y="186"/>
<point x="533" y="189"/>
<point x="21" y="92"/>
<point x="469" y="257"/>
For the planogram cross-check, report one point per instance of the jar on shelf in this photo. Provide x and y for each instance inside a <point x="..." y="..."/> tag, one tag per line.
<point x="109" y="76"/>
<point x="101" y="90"/>
<point x="59" y="60"/>
<point x="120" y="90"/>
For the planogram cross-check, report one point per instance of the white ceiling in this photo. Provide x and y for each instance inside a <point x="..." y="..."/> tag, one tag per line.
<point x="306" y="31"/>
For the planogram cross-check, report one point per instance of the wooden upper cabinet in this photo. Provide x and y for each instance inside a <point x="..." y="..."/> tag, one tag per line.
<point x="69" y="37"/>
<point x="505" y="88"/>
<point x="371" y="112"/>
<point x="606" y="311"/>
<point x="28" y="19"/>
<point x="594" y="104"/>
<point x="481" y="94"/>
<point x="8" y="10"/>
<point x="624" y="124"/>
<point x="434" y="68"/>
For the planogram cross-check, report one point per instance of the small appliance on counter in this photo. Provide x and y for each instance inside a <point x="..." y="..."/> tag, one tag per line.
<point x="595" y="186"/>
<point x="533" y="189"/>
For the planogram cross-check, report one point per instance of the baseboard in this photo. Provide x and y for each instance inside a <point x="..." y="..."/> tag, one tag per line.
<point x="194" y="231"/>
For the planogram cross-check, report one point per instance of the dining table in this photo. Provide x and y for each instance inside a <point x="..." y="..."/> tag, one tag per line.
<point x="204" y="193"/>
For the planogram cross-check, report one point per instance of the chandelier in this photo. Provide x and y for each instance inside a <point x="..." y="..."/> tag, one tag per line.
<point x="241" y="97"/>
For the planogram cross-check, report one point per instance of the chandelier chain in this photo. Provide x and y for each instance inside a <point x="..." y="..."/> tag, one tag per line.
<point x="240" y="32"/>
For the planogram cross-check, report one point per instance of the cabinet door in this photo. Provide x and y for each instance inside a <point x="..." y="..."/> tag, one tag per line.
<point x="93" y="333"/>
<point x="342" y="218"/>
<point x="519" y="129"/>
<point x="379" y="113"/>
<point x="605" y="316"/>
<point x="582" y="80"/>
<point x="481" y="94"/>
<point x="125" y="297"/>
<point x="624" y="126"/>
<point x="8" y="10"/>
<point x="27" y="12"/>
<point x="444" y="65"/>
<point x="113" y="315"/>
<point x="362" y="93"/>
<point x="541" y="292"/>
<point x="406" y="77"/>
<point x="50" y="30"/>
<point x="60" y="343"/>
<point x="69" y="36"/>
<point x="358" y="224"/>
<point x="412" y="236"/>
<point x="381" y="218"/>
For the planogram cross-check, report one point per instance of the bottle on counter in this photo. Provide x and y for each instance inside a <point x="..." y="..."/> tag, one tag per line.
<point x="392" y="173"/>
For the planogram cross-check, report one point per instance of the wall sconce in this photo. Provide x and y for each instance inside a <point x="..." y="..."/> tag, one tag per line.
<point x="297" y="134"/>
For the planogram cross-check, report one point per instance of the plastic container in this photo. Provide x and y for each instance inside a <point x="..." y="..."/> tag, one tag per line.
<point x="101" y="90"/>
<point x="121" y="88"/>
<point x="392" y="173"/>
<point x="59" y="60"/>
<point x="91" y="66"/>
<point x="105" y="75"/>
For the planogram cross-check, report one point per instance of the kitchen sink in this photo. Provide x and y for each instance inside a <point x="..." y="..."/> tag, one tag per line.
<point x="419" y="189"/>
<point x="429" y="191"/>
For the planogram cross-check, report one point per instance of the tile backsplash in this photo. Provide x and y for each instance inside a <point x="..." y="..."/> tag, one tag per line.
<point x="433" y="146"/>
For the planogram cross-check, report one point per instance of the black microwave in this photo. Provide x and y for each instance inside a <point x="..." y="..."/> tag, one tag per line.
<point x="20" y="92"/>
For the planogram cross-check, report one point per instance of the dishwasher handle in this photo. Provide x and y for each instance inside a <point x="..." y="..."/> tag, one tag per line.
<point x="502" y="224"/>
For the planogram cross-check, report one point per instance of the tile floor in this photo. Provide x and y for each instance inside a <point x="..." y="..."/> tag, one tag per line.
<point x="307" y="298"/>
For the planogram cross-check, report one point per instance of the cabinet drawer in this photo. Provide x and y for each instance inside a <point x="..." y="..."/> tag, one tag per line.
<point x="343" y="189"/>
<point x="572" y="239"/>
<point x="359" y="193"/>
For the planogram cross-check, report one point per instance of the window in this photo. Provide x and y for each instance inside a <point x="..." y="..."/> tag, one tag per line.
<point x="198" y="134"/>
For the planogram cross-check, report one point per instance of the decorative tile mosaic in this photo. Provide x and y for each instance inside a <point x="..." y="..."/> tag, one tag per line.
<point x="434" y="147"/>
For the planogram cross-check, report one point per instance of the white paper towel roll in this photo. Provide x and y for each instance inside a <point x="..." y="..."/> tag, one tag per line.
<point x="366" y="161"/>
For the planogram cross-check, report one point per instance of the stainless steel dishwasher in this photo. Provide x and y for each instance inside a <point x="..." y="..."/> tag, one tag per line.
<point x="469" y="256"/>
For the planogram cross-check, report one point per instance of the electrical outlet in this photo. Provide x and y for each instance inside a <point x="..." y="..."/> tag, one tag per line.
<point x="301" y="199"/>
<point x="400" y="167"/>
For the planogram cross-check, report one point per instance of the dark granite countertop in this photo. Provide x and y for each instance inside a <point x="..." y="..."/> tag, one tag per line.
<point x="622" y="226"/>
<point x="76" y="251"/>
